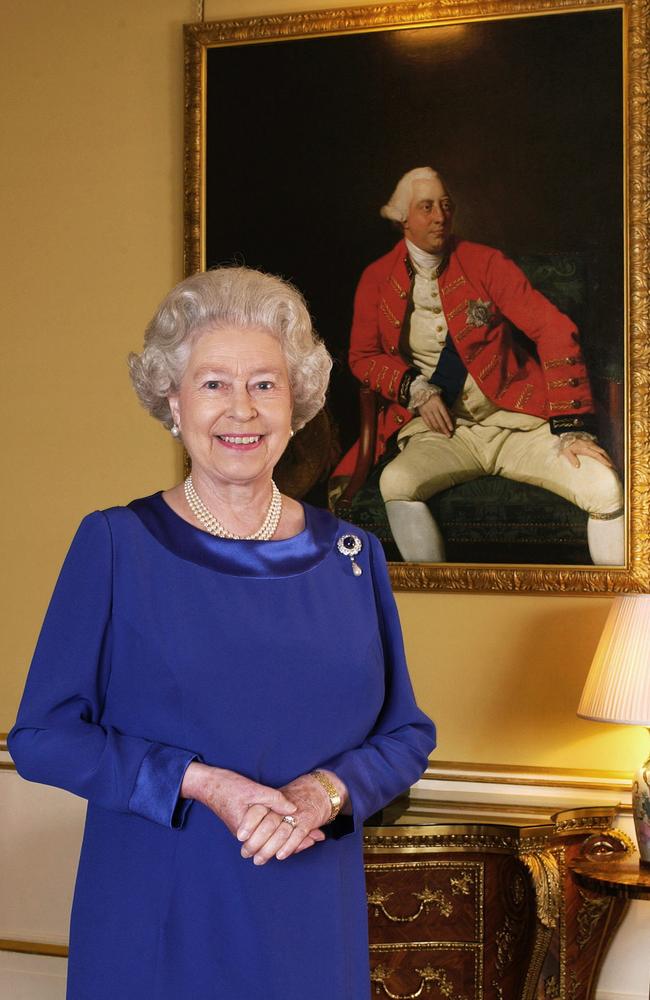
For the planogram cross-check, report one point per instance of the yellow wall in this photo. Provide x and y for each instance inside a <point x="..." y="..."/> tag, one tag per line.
<point x="91" y="185"/>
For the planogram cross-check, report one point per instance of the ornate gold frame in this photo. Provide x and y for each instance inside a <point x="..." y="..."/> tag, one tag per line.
<point x="634" y="576"/>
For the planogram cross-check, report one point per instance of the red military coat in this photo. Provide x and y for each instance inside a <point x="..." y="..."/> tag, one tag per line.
<point x="480" y="289"/>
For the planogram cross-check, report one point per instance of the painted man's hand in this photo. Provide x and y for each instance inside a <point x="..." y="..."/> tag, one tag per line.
<point x="436" y="416"/>
<point x="584" y="446"/>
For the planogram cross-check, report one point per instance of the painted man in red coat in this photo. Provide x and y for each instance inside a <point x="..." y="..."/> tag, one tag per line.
<point x="431" y="333"/>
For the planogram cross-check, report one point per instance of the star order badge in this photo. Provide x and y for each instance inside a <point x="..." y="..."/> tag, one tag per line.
<point x="479" y="313"/>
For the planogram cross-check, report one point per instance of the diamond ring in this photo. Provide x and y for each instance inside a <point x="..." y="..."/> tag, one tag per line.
<point x="289" y="819"/>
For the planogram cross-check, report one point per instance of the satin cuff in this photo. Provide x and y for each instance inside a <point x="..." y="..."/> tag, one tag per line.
<point x="156" y="793"/>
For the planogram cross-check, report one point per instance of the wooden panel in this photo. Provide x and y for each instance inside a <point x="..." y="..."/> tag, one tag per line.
<point x="425" y="901"/>
<point x="439" y="970"/>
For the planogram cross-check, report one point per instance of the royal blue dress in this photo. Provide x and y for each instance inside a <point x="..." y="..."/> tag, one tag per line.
<point x="164" y="645"/>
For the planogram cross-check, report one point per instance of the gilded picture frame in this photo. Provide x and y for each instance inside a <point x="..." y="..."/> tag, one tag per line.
<point x="270" y="103"/>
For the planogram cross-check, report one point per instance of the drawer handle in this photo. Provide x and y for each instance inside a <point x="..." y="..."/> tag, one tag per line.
<point x="428" y="897"/>
<point x="428" y="975"/>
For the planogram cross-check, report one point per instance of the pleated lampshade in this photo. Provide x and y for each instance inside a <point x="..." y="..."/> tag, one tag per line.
<point x="618" y="690"/>
<point x="618" y="686"/>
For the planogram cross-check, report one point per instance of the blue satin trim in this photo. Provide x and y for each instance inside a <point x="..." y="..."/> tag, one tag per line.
<point x="286" y="557"/>
<point x="156" y="794"/>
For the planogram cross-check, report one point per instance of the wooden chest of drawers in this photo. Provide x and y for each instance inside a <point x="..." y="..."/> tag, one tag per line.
<point x="487" y="912"/>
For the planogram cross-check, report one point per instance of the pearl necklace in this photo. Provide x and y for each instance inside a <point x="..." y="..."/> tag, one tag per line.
<point x="212" y="524"/>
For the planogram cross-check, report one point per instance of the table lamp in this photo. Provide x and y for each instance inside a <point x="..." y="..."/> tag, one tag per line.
<point x="618" y="690"/>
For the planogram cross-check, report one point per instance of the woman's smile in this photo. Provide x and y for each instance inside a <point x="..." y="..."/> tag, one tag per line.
<point x="240" y="442"/>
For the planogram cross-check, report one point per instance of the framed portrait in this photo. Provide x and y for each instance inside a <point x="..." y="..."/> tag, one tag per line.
<point x="533" y="120"/>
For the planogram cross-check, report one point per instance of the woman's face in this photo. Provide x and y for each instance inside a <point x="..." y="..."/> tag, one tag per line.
<point x="234" y="405"/>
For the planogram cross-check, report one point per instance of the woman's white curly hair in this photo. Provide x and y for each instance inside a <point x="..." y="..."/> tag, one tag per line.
<point x="236" y="297"/>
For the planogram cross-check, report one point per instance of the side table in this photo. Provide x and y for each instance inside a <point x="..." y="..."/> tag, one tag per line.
<point x="486" y="911"/>
<point x="618" y="878"/>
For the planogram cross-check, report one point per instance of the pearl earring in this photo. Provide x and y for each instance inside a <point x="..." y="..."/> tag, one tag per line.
<point x="175" y="431"/>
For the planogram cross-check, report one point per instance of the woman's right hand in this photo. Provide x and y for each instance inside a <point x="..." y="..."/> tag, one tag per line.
<point x="230" y="795"/>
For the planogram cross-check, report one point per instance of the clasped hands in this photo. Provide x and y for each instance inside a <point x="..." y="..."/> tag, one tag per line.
<point x="254" y="813"/>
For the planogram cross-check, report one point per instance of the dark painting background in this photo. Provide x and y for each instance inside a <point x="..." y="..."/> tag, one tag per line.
<point x="523" y="117"/>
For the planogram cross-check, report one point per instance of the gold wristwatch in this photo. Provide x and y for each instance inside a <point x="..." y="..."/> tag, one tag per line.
<point x="330" y="788"/>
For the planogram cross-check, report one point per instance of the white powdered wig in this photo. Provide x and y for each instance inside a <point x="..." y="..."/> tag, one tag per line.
<point x="397" y="207"/>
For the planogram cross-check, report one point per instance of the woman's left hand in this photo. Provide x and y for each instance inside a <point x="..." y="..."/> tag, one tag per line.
<point x="268" y="836"/>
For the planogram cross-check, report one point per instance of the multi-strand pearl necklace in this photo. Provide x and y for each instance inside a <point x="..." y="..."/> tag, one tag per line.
<point x="212" y="524"/>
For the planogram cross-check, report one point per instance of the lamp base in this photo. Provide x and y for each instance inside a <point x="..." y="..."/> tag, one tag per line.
<point x="641" y="811"/>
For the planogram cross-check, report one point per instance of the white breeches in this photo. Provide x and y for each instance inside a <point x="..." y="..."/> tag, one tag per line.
<point x="430" y="463"/>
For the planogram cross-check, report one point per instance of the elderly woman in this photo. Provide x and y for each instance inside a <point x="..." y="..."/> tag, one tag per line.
<point x="221" y="674"/>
